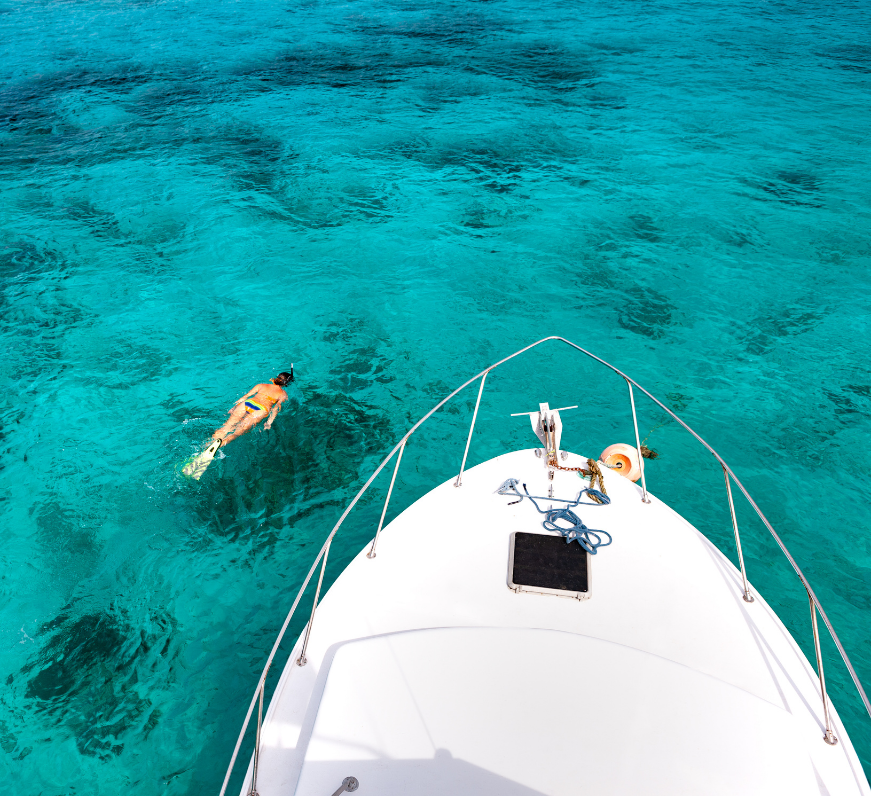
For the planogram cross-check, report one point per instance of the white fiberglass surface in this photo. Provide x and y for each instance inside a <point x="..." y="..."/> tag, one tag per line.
<point x="661" y="593"/>
<point x="496" y="710"/>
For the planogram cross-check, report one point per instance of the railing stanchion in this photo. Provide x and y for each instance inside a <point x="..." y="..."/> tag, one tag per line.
<point x="371" y="553"/>
<point x="829" y="737"/>
<point x="301" y="660"/>
<point x="748" y="598"/>
<point x="459" y="481"/>
<point x="644" y="498"/>
<point x="253" y="791"/>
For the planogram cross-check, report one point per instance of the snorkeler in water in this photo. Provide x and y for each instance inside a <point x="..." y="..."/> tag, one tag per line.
<point x="260" y="401"/>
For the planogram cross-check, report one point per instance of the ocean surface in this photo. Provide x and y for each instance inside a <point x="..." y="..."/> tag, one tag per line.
<point x="391" y="196"/>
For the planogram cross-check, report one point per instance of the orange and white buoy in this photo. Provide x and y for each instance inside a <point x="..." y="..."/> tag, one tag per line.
<point x="623" y="459"/>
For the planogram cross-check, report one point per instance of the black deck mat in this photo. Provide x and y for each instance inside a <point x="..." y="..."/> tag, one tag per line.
<point x="547" y="562"/>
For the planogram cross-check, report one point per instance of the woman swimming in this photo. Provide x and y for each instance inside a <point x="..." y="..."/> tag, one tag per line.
<point x="260" y="401"/>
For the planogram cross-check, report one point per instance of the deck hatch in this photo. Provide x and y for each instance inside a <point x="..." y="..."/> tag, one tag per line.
<point x="546" y="564"/>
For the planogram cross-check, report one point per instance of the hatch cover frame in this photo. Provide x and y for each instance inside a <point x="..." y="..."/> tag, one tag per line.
<point x="526" y="588"/>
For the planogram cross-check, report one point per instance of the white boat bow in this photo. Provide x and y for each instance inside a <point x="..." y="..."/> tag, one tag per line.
<point x="423" y="671"/>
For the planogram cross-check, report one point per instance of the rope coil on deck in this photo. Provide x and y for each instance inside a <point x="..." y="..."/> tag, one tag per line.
<point x="588" y="538"/>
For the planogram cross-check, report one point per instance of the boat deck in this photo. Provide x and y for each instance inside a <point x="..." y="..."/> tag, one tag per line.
<point x="427" y="674"/>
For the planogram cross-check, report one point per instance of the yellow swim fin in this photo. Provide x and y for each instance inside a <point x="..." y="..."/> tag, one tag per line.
<point x="198" y="464"/>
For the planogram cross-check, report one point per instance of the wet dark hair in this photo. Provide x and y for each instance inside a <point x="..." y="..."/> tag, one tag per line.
<point x="284" y="378"/>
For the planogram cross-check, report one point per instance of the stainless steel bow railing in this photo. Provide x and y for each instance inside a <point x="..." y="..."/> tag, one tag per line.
<point x="729" y="475"/>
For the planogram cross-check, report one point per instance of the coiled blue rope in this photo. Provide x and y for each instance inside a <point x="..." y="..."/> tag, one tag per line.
<point x="591" y="540"/>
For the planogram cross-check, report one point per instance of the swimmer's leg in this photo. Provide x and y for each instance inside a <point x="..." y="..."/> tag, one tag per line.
<point x="235" y="418"/>
<point x="245" y="426"/>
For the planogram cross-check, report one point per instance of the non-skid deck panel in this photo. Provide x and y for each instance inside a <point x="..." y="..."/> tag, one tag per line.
<point x="544" y="561"/>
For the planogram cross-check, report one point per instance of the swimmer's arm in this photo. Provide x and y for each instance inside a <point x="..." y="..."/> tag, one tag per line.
<point x="275" y="408"/>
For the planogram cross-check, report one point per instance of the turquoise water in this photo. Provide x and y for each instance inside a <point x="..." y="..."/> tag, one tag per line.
<point x="392" y="196"/>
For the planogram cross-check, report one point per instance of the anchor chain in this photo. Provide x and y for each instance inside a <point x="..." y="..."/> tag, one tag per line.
<point x="593" y="472"/>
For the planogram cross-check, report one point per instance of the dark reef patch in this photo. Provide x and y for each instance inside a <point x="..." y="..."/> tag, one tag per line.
<point x="850" y="399"/>
<point x="603" y="101"/>
<point x="849" y="580"/>
<point x="793" y="187"/>
<point x="26" y="261"/>
<point x="339" y="68"/>
<point x="248" y="154"/>
<point x="767" y="328"/>
<point x="100" y="223"/>
<point x="36" y="312"/>
<point x="482" y="161"/>
<point x="542" y="65"/>
<point x="42" y="134"/>
<point x="310" y="205"/>
<point x="163" y="94"/>
<point x="86" y="676"/>
<point x="28" y="106"/>
<point x="852" y="57"/>
<point x="644" y="228"/>
<point x="647" y="312"/>
<point x="456" y="29"/>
